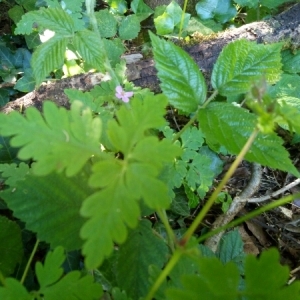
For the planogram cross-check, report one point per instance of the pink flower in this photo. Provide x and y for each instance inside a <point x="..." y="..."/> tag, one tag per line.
<point x="121" y="94"/>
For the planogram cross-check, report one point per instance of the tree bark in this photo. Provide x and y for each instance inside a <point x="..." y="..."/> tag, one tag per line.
<point x="283" y="27"/>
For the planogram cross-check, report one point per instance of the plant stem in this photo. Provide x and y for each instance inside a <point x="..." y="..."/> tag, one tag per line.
<point x="249" y="216"/>
<point x="163" y="275"/>
<point x="29" y="261"/>
<point x="182" y="17"/>
<point x="171" y="236"/>
<point x="194" y="118"/>
<point x="90" y="8"/>
<point x="219" y="188"/>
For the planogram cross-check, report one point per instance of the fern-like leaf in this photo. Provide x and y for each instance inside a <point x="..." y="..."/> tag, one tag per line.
<point x="124" y="182"/>
<point x="58" y="140"/>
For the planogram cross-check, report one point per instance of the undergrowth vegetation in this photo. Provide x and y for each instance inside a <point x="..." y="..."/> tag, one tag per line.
<point x="94" y="188"/>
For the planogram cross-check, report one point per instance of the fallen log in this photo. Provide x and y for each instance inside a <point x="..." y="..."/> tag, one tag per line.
<point x="283" y="27"/>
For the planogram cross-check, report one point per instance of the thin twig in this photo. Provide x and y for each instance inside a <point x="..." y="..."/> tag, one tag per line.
<point x="282" y="190"/>
<point x="237" y="204"/>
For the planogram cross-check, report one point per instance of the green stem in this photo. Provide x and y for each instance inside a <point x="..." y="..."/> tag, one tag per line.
<point x="171" y="236"/>
<point x="182" y="18"/>
<point x="249" y="216"/>
<point x="194" y="118"/>
<point x="165" y="272"/>
<point x="29" y="262"/>
<point x="90" y="9"/>
<point x="219" y="188"/>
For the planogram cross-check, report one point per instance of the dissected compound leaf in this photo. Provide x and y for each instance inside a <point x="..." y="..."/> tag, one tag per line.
<point x="214" y="281"/>
<point x="12" y="289"/>
<point x="266" y="271"/>
<point x="50" y="206"/>
<point x="57" y="140"/>
<point x="48" y="57"/>
<point x="11" y="247"/>
<point x="50" y="272"/>
<point x="90" y="48"/>
<point x="14" y="172"/>
<point x="142" y="249"/>
<point x="231" y="127"/>
<point x="8" y="154"/>
<point x="54" y="19"/>
<point x="181" y="80"/>
<point x="241" y="63"/>
<point x="70" y="287"/>
<point x="124" y="182"/>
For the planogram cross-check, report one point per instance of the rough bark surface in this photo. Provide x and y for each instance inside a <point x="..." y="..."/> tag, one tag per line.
<point x="284" y="27"/>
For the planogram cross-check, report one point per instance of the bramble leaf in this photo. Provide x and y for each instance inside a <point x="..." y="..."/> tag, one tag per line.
<point x="141" y="250"/>
<point x="231" y="127"/>
<point x="90" y="48"/>
<point x="55" y="145"/>
<point x="241" y="63"/>
<point x="181" y="80"/>
<point x="268" y="270"/>
<point x="11" y="247"/>
<point x="54" y="19"/>
<point x="48" y="57"/>
<point x="54" y="215"/>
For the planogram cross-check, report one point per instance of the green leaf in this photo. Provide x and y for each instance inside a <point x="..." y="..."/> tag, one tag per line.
<point x="288" y="85"/>
<point x="48" y="57"/>
<point x="241" y="63"/>
<point x="164" y="24"/>
<point x="11" y="247"/>
<point x="248" y="3"/>
<point x="69" y="287"/>
<point x="16" y="13"/>
<point x="26" y="83"/>
<point x="290" y="111"/>
<point x="128" y="180"/>
<point x="90" y="48"/>
<point x="181" y="80"/>
<point x="107" y="24"/>
<point x="114" y="49"/>
<point x="51" y="271"/>
<point x="13" y="289"/>
<point x="7" y="58"/>
<point x="291" y="61"/>
<point x="8" y="154"/>
<point x="272" y="3"/>
<point x="214" y="281"/>
<point x="142" y="249"/>
<point x="13" y="172"/>
<point x="55" y="145"/>
<point x="129" y="28"/>
<point x="54" y="19"/>
<point x="141" y="10"/>
<point x="53" y="216"/>
<point x="268" y="270"/>
<point x="231" y="127"/>
<point x="231" y="248"/>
